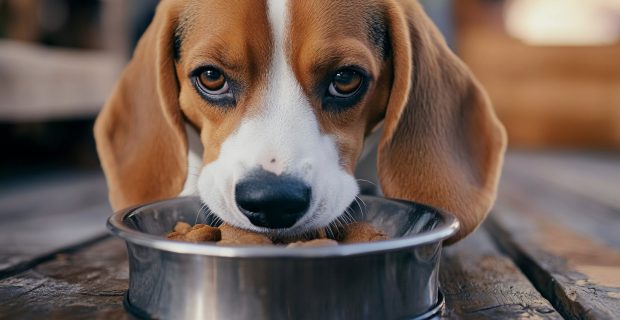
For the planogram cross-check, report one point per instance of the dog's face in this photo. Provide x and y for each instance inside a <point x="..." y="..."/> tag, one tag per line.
<point x="283" y="93"/>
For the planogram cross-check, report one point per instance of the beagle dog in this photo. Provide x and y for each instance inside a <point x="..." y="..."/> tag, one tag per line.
<point x="262" y="108"/>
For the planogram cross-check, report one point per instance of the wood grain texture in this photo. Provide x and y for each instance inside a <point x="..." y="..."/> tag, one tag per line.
<point x="582" y="195"/>
<point x="86" y="285"/>
<point x="558" y="219"/>
<point x="588" y="177"/>
<point x="479" y="282"/>
<point x="578" y="274"/>
<point x="41" y="219"/>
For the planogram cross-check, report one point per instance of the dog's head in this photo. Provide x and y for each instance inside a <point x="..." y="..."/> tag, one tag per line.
<point x="283" y="94"/>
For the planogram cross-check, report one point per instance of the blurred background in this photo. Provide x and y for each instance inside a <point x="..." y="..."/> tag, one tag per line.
<point x="552" y="69"/>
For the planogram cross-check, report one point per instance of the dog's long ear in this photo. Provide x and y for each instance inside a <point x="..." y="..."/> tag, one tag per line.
<point x="442" y="143"/>
<point x="140" y="134"/>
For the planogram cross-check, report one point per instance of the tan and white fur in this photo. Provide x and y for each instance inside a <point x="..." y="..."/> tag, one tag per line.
<point x="157" y="138"/>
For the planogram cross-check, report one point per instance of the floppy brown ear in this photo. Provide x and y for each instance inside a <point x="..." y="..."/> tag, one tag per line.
<point x="140" y="134"/>
<point x="442" y="144"/>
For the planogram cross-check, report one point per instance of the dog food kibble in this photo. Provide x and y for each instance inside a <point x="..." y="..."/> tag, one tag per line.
<point x="198" y="233"/>
<point x="362" y="232"/>
<point x="227" y="235"/>
<point x="232" y="236"/>
<point x="313" y="243"/>
<point x="182" y="227"/>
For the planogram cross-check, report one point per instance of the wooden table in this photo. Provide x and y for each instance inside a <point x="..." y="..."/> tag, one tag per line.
<point x="550" y="249"/>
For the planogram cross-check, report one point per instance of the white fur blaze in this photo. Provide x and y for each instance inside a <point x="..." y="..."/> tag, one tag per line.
<point x="282" y="136"/>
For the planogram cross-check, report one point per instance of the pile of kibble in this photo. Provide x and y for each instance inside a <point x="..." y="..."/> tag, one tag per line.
<point x="228" y="235"/>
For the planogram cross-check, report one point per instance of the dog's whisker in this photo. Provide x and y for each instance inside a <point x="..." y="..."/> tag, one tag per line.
<point x="345" y="215"/>
<point x="367" y="181"/>
<point x="342" y="224"/>
<point x="365" y="206"/>
<point x="335" y="229"/>
<point x="328" y="231"/>
<point x="339" y="222"/>
<point x="198" y="214"/>
<point x="348" y="217"/>
<point x="357" y="202"/>
<point x="210" y="216"/>
<point x="214" y="217"/>
<point x="331" y="227"/>
<point x="362" y="209"/>
<point x="348" y="213"/>
<point x="207" y="210"/>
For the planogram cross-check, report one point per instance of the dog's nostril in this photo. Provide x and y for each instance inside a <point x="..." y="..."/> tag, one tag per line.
<point x="272" y="201"/>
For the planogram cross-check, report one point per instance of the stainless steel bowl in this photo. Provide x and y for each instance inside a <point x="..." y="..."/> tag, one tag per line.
<point x="392" y="279"/>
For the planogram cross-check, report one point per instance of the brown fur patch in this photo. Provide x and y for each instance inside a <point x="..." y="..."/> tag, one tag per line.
<point x="139" y="133"/>
<point x="442" y="143"/>
<point x="326" y="36"/>
<point x="235" y="37"/>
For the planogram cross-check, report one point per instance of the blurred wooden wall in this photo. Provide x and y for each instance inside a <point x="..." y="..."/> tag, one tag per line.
<point x="548" y="97"/>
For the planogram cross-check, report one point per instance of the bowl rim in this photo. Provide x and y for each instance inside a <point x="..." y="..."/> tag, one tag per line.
<point x="117" y="227"/>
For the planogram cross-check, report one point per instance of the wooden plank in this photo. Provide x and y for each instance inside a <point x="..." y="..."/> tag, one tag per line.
<point x="557" y="217"/>
<point x="479" y="282"/>
<point x="554" y="189"/>
<point x="579" y="275"/>
<point x="590" y="175"/>
<point x="89" y="284"/>
<point x="38" y="220"/>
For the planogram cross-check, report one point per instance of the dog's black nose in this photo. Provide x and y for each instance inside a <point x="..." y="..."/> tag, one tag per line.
<point x="272" y="201"/>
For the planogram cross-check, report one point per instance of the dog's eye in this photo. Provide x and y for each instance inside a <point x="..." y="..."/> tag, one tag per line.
<point x="214" y="86"/>
<point x="345" y="83"/>
<point x="345" y="88"/>
<point x="213" y="81"/>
